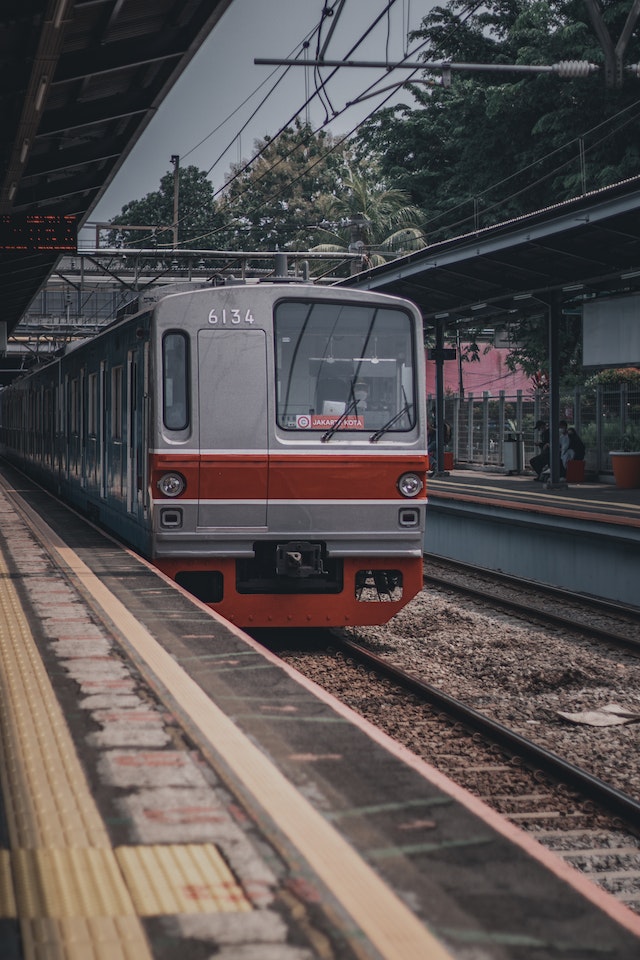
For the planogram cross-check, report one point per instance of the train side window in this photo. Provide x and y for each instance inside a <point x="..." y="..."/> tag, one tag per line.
<point x="92" y="413"/>
<point x="175" y="381"/>
<point x="116" y="403"/>
<point x="75" y="406"/>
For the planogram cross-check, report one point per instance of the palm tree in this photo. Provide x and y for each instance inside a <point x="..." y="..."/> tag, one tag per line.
<point x="377" y="222"/>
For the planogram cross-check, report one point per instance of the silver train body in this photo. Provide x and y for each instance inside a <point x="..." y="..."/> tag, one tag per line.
<point x="262" y="444"/>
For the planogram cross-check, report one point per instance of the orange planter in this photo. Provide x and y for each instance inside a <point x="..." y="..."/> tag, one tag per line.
<point x="626" y="468"/>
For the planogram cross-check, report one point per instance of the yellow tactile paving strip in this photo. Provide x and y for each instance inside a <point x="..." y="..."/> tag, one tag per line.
<point x="74" y="896"/>
<point x="180" y="879"/>
<point x="69" y="891"/>
<point x="7" y="899"/>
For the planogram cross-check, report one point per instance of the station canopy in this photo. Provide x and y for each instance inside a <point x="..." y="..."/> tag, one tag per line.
<point x="584" y="248"/>
<point x="81" y="79"/>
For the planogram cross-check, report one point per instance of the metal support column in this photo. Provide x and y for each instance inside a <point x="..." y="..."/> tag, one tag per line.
<point x="439" y="353"/>
<point x="555" y="316"/>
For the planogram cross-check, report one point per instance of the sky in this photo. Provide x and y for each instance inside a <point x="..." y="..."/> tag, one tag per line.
<point x="222" y="87"/>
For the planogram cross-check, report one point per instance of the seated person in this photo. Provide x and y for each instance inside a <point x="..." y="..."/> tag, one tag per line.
<point x="571" y="446"/>
<point x="575" y="448"/>
<point x="541" y="459"/>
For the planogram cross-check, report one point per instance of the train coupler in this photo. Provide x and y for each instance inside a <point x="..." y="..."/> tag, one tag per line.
<point x="299" y="559"/>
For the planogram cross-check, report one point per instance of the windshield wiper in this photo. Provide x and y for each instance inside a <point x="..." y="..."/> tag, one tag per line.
<point x="353" y="405"/>
<point x="387" y="426"/>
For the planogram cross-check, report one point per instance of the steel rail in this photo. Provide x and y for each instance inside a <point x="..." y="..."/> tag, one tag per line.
<point x="596" y="790"/>
<point x="561" y="593"/>
<point x="531" y="610"/>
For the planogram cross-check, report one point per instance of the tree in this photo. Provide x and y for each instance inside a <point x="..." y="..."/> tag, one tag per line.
<point x="530" y="348"/>
<point x="495" y="145"/>
<point x="369" y="217"/>
<point x="277" y="201"/>
<point x="198" y="216"/>
<point x="615" y="376"/>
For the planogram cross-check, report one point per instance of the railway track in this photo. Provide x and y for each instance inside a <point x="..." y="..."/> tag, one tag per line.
<point x="602" y="620"/>
<point x="538" y="758"/>
<point x="589" y="823"/>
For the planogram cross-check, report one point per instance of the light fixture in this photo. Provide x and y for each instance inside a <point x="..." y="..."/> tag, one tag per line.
<point x="410" y="484"/>
<point x="12" y="190"/>
<point x="24" y="150"/>
<point x="573" y="286"/>
<point x="478" y="306"/>
<point x="630" y="276"/>
<point x="523" y="296"/>
<point x="42" y="89"/>
<point x="171" y="484"/>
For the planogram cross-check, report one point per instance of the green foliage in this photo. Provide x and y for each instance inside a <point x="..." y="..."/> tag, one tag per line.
<point x="369" y="217"/>
<point x="198" y="217"/>
<point x="279" y="201"/>
<point x="530" y="350"/>
<point x="614" y="376"/>
<point x="628" y="440"/>
<point x="495" y="145"/>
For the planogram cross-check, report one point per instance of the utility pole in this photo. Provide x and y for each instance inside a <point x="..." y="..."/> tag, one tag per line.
<point x="175" y="160"/>
<point x="357" y="227"/>
<point x="613" y="54"/>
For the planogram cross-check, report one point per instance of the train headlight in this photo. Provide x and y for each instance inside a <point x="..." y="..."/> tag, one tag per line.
<point x="171" y="484"/>
<point x="410" y="484"/>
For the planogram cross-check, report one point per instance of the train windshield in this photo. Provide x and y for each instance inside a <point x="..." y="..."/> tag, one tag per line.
<point x="344" y="367"/>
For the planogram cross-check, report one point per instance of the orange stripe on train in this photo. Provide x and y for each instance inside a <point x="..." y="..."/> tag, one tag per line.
<point x="308" y="477"/>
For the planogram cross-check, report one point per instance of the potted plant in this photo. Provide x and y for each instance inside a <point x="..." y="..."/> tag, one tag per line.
<point x="625" y="460"/>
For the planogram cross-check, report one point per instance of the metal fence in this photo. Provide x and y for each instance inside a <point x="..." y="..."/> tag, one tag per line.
<point x="499" y="431"/>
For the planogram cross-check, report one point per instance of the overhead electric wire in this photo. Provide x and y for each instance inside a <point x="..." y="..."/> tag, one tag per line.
<point x="309" y="99"/>
<point x="430" y="221"/>
<point x="469" y="12"/>
<point x="239" y="172"/>
<point x="551" y="173"/>
<point x="319" y="86"/>
<point x="235" y="110"/>
<point x="285" y="126"/>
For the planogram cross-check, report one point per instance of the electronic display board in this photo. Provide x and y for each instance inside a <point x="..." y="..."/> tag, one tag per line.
<point x="33" y="232"/>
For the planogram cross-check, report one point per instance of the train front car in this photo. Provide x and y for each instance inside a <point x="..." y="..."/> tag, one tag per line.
<point x="288" y="467"/>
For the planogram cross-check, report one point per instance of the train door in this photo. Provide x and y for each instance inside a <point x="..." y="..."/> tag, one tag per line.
<point x="135" y="466"/>
<point x="66" y="423"/>
<point x="131" y="459"/>
<point x="233" y="404"/>
<point x="82" y="426"/>
<point x="146" y="427"/>
<point x="102" y="426"/>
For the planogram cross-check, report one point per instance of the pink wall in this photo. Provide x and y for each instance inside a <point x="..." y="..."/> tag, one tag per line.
<point x="489" y="373"/>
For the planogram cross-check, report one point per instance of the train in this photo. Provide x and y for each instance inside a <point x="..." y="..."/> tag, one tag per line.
<point x="263" y="444"/>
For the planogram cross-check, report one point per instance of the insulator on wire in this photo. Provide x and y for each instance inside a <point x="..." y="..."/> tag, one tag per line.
<point x="574" y="68"/>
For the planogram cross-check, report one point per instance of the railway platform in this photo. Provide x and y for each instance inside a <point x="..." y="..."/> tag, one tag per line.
<point x="584" y="537"/>
<point x="170" y="789"/>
